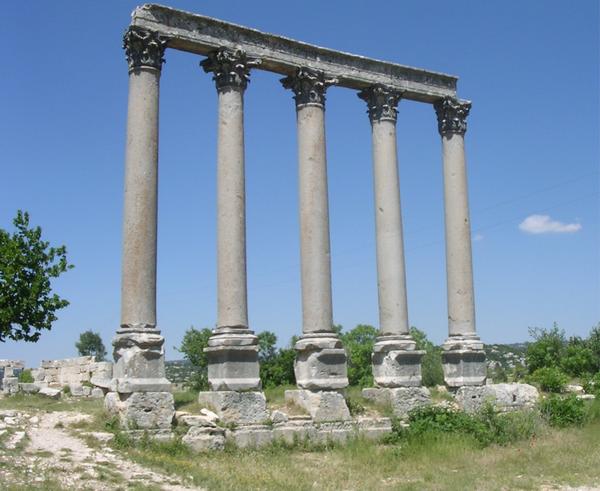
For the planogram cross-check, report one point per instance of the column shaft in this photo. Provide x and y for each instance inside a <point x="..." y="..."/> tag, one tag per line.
<point x="314" y="221"/>
<point x="138" y="282"/>
<point x="231" y="209"/>
<point x="393" y="308"/>
<point x="461" y="305"/>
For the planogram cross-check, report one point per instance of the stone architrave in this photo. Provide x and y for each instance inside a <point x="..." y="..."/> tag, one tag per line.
<point x="140" y="392"/>
<point x="396" y="361"/>
<point x="233" y="348"/>
<point x="463" y="354"/>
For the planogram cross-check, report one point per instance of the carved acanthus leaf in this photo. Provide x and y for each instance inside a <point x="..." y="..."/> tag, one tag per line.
<point x="230" y="68"/>
<point x="144" y="48"/>
<point x="382" y="102"/>
<point x="309" y="86"/>
<point x="452" y="116"/>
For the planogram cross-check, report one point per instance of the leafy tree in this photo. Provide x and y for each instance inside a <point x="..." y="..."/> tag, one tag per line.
<point x="266" y="346"/>
<point x="547" y="349"/>
<point x="27" y="265"/>
<point x="192" y="347"/>
<point x="276" y="366"/>
<point x="432" y="372"/>
<point x="593" y="343"/>
<point x="90" y="344"/>
<point x="550" y="379"/>
<point x="359" y="346"/>
<point x="578" y="358"/>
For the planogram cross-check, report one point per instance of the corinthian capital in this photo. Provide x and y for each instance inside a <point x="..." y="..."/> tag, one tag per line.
<point x="230" y="68"/>
<point x="144" y="48"/>
<point x="381" y="102"/>
<point x="309" y="86"/>
<point x="452" y="116"/>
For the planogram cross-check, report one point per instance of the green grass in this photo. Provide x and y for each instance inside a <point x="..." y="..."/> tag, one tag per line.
<point x="33" y="402"/>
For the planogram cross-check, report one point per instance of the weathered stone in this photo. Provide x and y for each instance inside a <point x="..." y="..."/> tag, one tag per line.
<point x="142" y="410"/>
<point x="101" y="436"/>
<point x="504" y="397"/>
<point x="232" y="367"/>
<point x="97" y="393"/>
<point x="10" y="385"/>
<point x="574" y="389"/>
<point x="101" y="374"/>
<point x="294" y="431"/>
<point x="321" y="405"/>
<point x="50" y="392"/>
<point x="28" y="388"/>
<point x="196" y="420"/>
<point x="236" y="407"/>
<point x="209" y="414"/>
<point x="401" y="399"/>
<point x="76" y="390"/>
<point x="201" y="439"/>
<point x="279" y="416"/>
<point x="250" y="436"/>
<point x="87" y="390"/>
<point x="396" y="365"/>
<point x="334" y="432"/>
<point x="373" y="428"/>
<point x="463" y="363"/>
<point x="320" y="362"/>
<point x="159" y="435"/>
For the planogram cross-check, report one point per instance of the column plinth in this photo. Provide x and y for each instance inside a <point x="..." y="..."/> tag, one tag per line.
<point x="140" y="392"/>
<point x="321" y="359"/>
<point x="396" y="361"/>
<point x="233" y="348"/>
<point x="463" y="354"/>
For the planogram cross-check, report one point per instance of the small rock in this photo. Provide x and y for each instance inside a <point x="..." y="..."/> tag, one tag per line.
<point x="11" y="421"/>
<point x="34" y="420"/>
<point x="574" y="389"/>
<point x="10" y="413"/>
<point x="586" y="397"/>
<point x="15" y="439"/>
<point x="76" y="390"/>
<point x="279" y="416"/>
<point x="87" y="390"/>
<point x="209" y="414"/>
<point x="101" y="436"/>
<point x="441" y="389"/>
<point x="97" y="393"/>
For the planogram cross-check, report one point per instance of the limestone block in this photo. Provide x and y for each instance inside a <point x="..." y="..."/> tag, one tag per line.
<point x="97" y="393"/>
<point x="87" y="390"/>
<point x="294" y="431"/>
<point x="159" y="435"/>
<point x="50" y="392"/>
<point x="334" y="432"/>
<point x="322" y="405"/>
<point x="401" y="399"/>
<point x="142" y="410"/>
<point x="233" y="367"/>
<point x="463" y="363"/>
<point x="373" y="428"/>
<point x="279" y="416"/>
<point x="76" y="389"/>
<point x="209" y="414"/>
<point x="29" y="388"/>
<point x="101" y="374"/>
<point x="505" y="397"/>
<point x="236" y="407"/>
<point x="250" y="436"/>
<point x="38" y="374"/>
<point x="196" y="420"/>
<point x="201" y="439"/>
<point x="394" y="367"/>
<point x="10" y="385"/>
<point x="320" y="363"/>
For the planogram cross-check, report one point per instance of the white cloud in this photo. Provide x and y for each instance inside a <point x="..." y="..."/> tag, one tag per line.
<point x="543" y="224"/>
<point x="477" y="237"/>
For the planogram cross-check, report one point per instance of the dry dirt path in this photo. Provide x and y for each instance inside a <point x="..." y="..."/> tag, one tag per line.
<point x="51" y="453"/>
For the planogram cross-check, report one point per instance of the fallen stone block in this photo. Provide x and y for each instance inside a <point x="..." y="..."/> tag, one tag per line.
<point x="279" y="416"/>
<point x="201" y="439"/>
<point x="97" y="393"/>
<point x="10" y="385"/>
<point x="76" y="389"/>
<point x="149" y="410"/>
<point x="29" y="388"/>
<point x="401" y="399"/>
<point x="196" y="420"/>
<point x="50" y="392"/>
<point x="504" y="397"/>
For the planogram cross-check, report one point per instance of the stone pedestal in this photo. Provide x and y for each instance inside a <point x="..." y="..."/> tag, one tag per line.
<point x="142" y="410"/>
<point x="396" y="362"/>
<point x="233" y="360"/>
<point x="401" y="399"/>
<point x="321" y="405"/>
<point x="320" y="362"/>
<point x="463" y="361"/>
<point x="236" y="407"/>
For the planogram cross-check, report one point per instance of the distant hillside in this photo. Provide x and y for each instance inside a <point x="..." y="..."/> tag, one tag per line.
<point x="506" y="356"/>
<point x="178" y="371"/>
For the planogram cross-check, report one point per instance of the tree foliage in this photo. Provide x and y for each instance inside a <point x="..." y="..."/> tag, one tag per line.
<point x="192" y="347"/>
<point x="432" y="373"/>
<point x="90" y="344"/>
<point x="276" y="365"/>
<point x="359" y="346"/>
<point x="27" y="265"/>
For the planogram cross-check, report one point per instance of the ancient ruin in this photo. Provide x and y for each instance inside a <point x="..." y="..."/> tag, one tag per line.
<point x="140" y="392"/>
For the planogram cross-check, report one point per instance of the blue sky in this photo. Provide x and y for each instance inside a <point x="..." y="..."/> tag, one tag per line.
<point x="530" y="68"/>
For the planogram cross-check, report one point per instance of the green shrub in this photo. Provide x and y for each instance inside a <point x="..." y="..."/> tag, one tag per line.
<point x="578" y="358"/>
<point x="547" y="348"/>
<point x="192" y="347"/>
<point x="432" y="373"/>
<point x="563" y="411"/>
<point x="591" y="383"/>
<point x="25" y="377"/>
<point x="550" y="379"/>
<point x="359" y="346"/>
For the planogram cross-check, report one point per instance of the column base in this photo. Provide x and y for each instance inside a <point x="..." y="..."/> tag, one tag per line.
<point x="321" y="405"/>
<point x="396" y="362"/>
<point x="320" y="362"/>
<point x="142" y="410"/>
<point x="233" y="360"/>
<point x="236" y="407"/>
<point x="463" y="361"/>
<point x="401" y="399"/>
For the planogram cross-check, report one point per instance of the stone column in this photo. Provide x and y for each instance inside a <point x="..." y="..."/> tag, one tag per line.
<point x="396" y="362"/>
<point x="140" y="392"/>
<point x="463" y="355"/>
<point x="321" y="360"/>
<point x="233" y="348"/>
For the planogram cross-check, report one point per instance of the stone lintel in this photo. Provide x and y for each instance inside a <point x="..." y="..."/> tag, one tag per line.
<point x="201" y="35"/>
